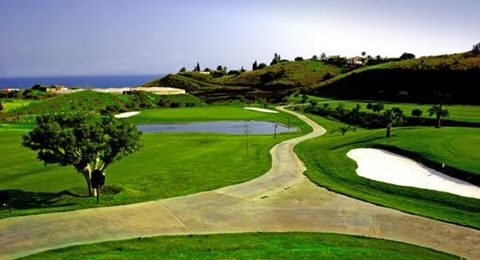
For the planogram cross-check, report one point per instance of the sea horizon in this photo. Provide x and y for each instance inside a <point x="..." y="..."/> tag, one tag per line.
<point x="85" y="81"/>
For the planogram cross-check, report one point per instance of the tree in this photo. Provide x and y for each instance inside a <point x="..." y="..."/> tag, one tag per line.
<point x="417" y="113"/>
<point x="315" y="58"/>
<point x="344" y="129"/>
<point x="197" y="68"/>
<point x="276" y="59"/>
<point x="323" y="56"/>
<point x="242" y="69"/>
<point x="183" y="69"/>
<point x="439" y="113"/>
<point x="299" y="59"/>
<point x="261" y="66"/>
<point x="375" y="107"/>
<point x="391" y="117"/>
<point x="407" y="56"/>
<point x="476" y="49"/>
<point x="88" y="144"/>
<point x="255" y="66"/>
<point x="219" y="68"/>
<point x="1" y="107"/>
<point x="364" y="54"/>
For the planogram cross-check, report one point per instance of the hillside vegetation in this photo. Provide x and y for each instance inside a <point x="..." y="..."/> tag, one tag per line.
<point x="447" y="78"/>
<point x="90" y="101"/>
<point x="262" y="83"/>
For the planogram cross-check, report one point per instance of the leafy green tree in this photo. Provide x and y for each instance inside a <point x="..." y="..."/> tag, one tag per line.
<point x="375" y="107"/>
<point x="417" y="113"/>
<point x="476" y="49"/>
<point x="255" y="66"/>
<point x="183" y="69"/>
<point x="299" y="59"/>
<point x="344" y="129"/>
<point x="219" y="68"/>
<point x="439" y="113"/>
<point x="276" y="59"/>
<point x="315" y="58"/>
<point x="88" y="144"/>
<point x="197" y="67"/>
<point x="262" y="66"/>
<point x="391" y="117"/>
<point x="407" y="56"/>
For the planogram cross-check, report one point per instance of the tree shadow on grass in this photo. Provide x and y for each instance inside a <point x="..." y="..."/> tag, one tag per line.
<point x="358" y="142"/>
<point x="20" y="199"/>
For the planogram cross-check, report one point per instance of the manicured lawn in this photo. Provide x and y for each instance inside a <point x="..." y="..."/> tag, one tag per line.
<point x="464" y="113"/>
<point x="248" y="246"/>
<point x="169" y="164"/>
<point x="10" y="104"/>
<point x="211" y="113"/>
<point x="329" y="166"/>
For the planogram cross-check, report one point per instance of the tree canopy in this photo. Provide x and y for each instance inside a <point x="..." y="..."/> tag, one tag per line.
<point x="82" y="141"/>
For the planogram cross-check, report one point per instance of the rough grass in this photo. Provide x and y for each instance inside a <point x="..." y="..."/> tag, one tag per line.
<point x="329" y="166"/>
<point x="248" y="246"/>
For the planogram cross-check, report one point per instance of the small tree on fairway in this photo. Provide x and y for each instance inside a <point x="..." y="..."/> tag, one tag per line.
<point x="391" y="117"/>
<point x="344" y="129"/>
<point x="88" y="144"/>
<point x="439" y="113"/>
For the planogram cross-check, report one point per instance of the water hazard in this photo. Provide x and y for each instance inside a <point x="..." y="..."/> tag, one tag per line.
<point x="224" y="127"/>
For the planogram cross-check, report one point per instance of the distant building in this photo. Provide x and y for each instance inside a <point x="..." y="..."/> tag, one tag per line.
<point x="8" y="90"/>
<point x="356" y="61"/>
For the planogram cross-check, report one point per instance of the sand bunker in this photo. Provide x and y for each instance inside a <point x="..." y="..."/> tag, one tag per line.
<point x="127" y="114"/>
<point x="384" y="166"/>
<point x="261" y="110"/>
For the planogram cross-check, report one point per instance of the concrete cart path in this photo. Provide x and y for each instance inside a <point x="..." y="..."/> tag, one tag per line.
<point x="281" y="200"/>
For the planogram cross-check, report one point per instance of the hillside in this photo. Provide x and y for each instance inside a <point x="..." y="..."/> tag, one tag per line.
<point x="259" y="83"/>
<point x="91" y="101"/>
<point x="447" y="78"/>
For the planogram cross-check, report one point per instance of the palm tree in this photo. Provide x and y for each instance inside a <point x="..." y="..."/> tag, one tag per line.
<point x="391" y="117"/>
<point x="440" y="114"/>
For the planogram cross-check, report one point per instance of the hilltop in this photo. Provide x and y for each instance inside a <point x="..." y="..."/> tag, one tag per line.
<point x="263" y="82"/>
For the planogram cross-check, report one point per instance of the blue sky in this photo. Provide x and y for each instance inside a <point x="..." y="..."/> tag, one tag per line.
<point x="107" y="37"/>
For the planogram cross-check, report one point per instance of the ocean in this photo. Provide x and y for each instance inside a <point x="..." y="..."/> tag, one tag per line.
<point x="78" y="81"/>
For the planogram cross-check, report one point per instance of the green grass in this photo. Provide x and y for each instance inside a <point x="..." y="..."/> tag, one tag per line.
<point x="463" y="113"/>
<point x="170" y="164"/>
<point x="212" y="113"/>
<point x="11" y="104"/>
<point x="329" y="166"/>
<point x="248" y="246"/>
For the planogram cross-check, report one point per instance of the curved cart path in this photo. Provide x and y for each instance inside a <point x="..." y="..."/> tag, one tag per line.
<point x="281" y="200"/>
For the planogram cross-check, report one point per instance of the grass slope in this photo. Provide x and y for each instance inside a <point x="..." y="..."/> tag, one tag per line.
<point x="329" y="166"/>
<point x="168" y="165"/>
<point x="285" y="75"/>
<point x="454" y="76"/>
<point x="248" y="246"/>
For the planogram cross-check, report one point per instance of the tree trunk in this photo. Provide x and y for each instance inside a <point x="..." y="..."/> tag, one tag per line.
<point x="439" y="122"/>
<point x="88" y="178"/>
<point x="389" y="130"/>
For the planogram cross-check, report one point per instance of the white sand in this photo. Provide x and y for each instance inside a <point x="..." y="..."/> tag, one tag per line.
<point x="127" y="114"/>
<point x="261" y="110"/>
<point x="384" y="166"/>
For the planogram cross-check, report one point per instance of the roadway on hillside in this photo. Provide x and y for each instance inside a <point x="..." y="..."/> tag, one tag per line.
<point x="281" y="200"/>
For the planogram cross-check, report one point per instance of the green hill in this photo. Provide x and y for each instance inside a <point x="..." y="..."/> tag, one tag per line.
<point x="285" y="75"/>
<point x="448" y="78"/>
<point x="90" y="101"/>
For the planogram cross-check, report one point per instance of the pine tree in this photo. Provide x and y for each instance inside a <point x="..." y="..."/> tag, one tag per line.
<point x="255" y="66"/>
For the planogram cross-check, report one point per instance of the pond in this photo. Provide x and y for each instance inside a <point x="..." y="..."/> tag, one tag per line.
<point x="224" y="127"/>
